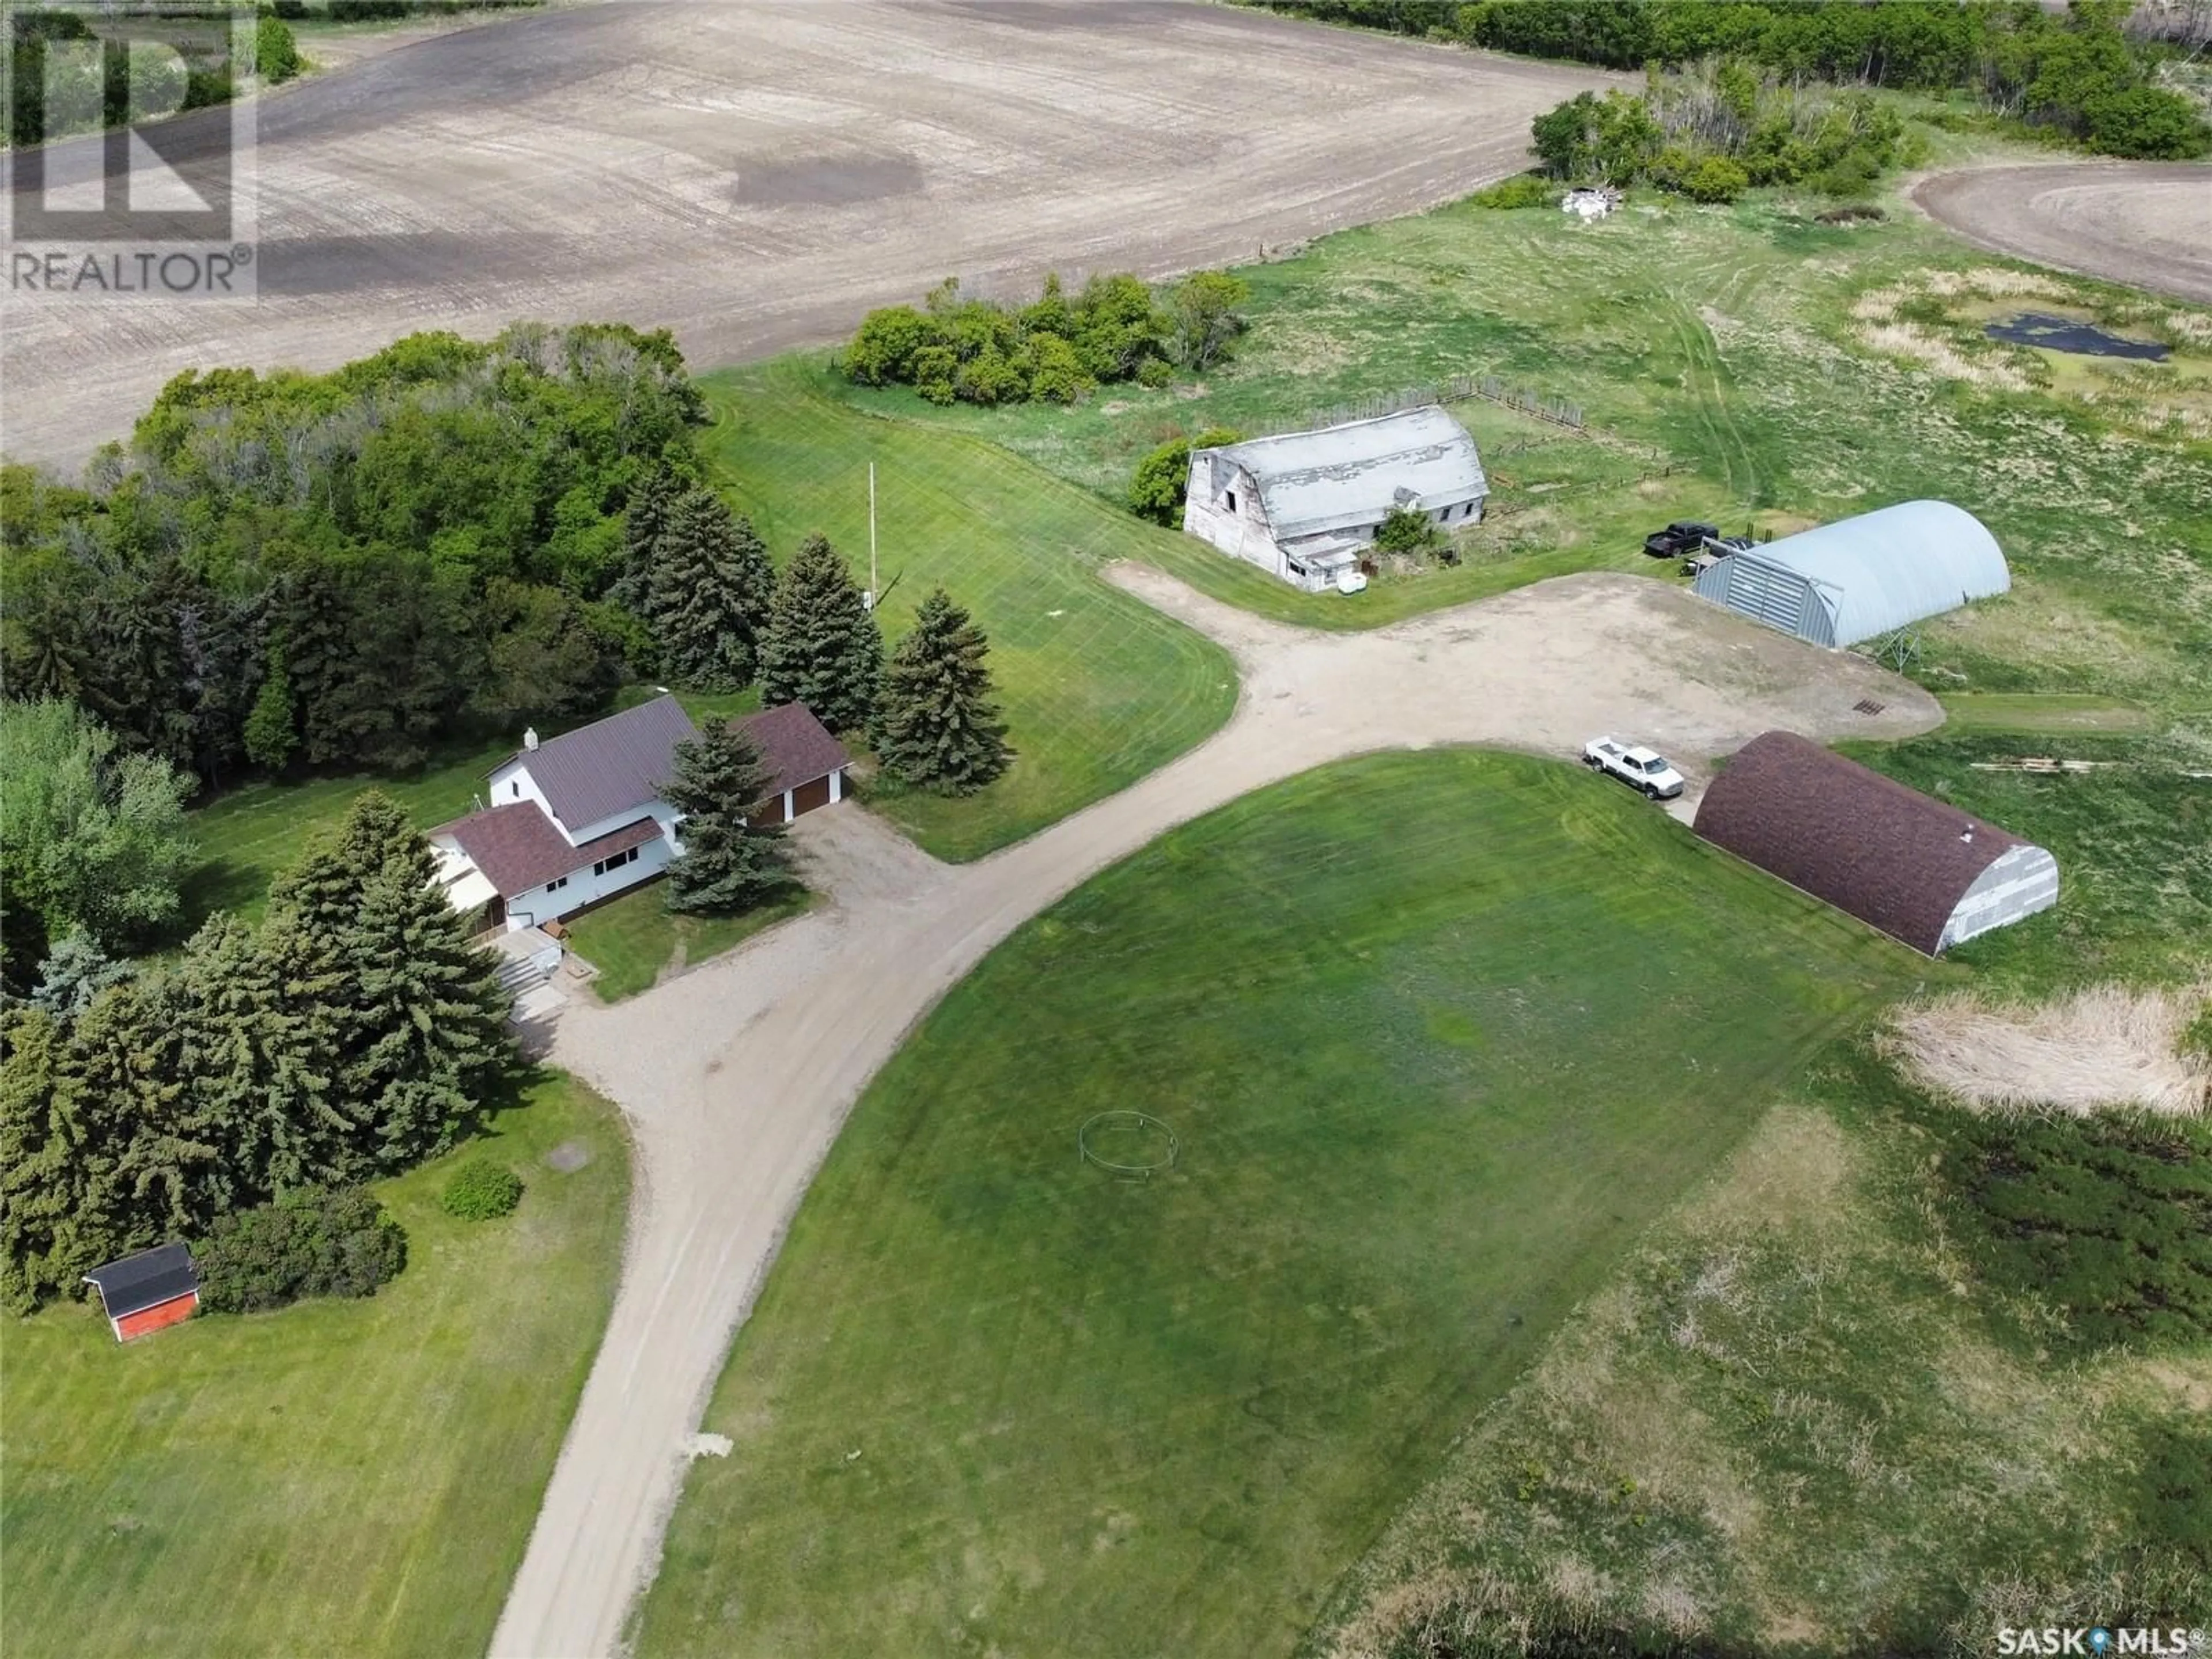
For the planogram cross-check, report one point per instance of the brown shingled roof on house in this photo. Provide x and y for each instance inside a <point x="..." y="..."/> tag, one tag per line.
<point x="1896" y="859"/>
<point x="795" y="747"/>
<point x="610" y="766"/>
<point x="518" y="848"/>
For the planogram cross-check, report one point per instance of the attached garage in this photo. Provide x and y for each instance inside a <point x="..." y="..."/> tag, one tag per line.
<point x="1917" y="868"/>
<point x="1860" y="578"/>
<point x="805" y="763"/>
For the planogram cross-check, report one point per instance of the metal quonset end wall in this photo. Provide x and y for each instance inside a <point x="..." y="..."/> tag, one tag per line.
<point x="1917" y="868"/>
<point x="1861" y="577"/>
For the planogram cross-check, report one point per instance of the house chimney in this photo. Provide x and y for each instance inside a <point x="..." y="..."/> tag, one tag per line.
<point x="529" y="737"/>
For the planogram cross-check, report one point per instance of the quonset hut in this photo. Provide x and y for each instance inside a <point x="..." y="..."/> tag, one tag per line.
<point x="1919" y="870"/>
<point x="1857" y="579"/>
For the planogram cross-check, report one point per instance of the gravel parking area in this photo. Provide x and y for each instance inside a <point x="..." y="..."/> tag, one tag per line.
<point x="737" y="1077"/>
<point x="755" y="176"/>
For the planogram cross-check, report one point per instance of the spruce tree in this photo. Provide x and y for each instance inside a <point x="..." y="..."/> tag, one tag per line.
<point x="643" y="519"/>
<point x="416" y="1009"/>
<point x="727" y="865"/>
<point x="822" y="648"/>
<point x="261" y="1047"/>
<point x="936" y="725"/>
<point x="76" y="972"/>
<point x="708" y="593"/>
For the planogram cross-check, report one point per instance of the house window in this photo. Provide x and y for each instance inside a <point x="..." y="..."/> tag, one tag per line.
<point x="517" y="786"/>
<point x="616" y="862"/>
<point x="1232" y="500"/>
<point x="555" y="886"/>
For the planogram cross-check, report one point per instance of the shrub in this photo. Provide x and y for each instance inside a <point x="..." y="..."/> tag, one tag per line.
<point x="1055" y="372"/>
<point x="990" y="378"/>
<point x="2146" y="122"/>
<point x="1525" y="190"/>
<point x="1163" y="478"/>
<point x="276" y="54"/>
<point x="883" y="351"/>
<point x="1716" y="178"/>
<point x="313" y="1241"/>
<point x="481" y="1189"/>
<point x="1404" y="531"/>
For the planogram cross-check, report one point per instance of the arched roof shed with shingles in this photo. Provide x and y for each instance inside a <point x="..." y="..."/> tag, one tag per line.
<point x="1917" y="868"/>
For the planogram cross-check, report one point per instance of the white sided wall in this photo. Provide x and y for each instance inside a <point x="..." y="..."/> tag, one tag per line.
<point x="2022" y="882"/>
<point x="1243" y="533"/>
<point x="537" y="906"/>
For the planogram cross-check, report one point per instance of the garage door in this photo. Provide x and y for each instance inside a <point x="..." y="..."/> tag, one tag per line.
<point x="768" y="811"/>
<point x="808" y="796"/>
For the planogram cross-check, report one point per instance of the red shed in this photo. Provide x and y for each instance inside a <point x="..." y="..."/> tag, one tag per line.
<point x="148" y="1291"/>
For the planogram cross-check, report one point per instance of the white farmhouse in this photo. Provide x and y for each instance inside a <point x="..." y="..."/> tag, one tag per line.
<point x="579" y="817"/>
<point x="1306" y="505"/>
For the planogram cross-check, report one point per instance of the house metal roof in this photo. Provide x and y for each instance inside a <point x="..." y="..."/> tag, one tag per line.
<point x="1884" y="569"/>
<point x="145" y="1280"/>
<point x="1896" y="859"/>
<point x="519" y="848"/>
<point x="614" y="765"/>
<point x="795" y="747"/>
<point x="1346" y="475"/>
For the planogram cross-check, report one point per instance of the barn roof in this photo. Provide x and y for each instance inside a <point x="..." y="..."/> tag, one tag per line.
<point x="1896" y="859"/>
<point x="609" y="766"/>
<point x="518" y="848"/>
<point x="795" y="747"/>
<point x="1887" y="568"/>
<point x="145" y="1280"/>
<point x="1340" y="477"/>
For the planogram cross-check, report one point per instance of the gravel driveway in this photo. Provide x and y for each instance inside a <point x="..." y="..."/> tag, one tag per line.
<point x="736" y="1076"/>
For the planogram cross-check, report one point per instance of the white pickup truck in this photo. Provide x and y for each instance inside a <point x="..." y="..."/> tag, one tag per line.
<point x="1633" y="764"/>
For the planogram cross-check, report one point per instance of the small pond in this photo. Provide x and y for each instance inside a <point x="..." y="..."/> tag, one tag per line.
<point x="2035" y="328"/>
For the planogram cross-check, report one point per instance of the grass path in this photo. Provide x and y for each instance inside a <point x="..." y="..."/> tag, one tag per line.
<point x="1099" y="689"/>
<point x="340" y="1477"/>
<point x="1429" y="1085"/>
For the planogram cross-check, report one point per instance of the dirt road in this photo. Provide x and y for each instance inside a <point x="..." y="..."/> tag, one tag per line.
<point x="737" y="1077"/>
<point x="756" y="175"/>
<point x="2147" y="224"/>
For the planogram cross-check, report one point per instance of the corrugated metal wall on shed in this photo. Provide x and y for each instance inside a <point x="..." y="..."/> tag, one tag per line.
<point x="1861" y="577"/>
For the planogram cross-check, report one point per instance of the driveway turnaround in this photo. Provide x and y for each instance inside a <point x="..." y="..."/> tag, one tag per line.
<point x="755" y="176"/>
<point x="2147" y="224"/>
<point x="736" y="1077"/>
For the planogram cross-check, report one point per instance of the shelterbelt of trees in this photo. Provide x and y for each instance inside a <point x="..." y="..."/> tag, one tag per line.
<point x="2076" y="73"/>
<point x="347" y="568"/>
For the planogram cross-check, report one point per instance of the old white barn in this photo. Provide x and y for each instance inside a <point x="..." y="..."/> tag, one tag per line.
<point x="1305" y="506"/>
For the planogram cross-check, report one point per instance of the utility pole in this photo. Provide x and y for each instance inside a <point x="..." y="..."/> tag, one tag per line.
<point x="873" y="590"/>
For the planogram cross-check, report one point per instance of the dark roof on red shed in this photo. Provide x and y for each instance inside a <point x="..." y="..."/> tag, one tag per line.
<point x="1896" y="859"/>
<point x="518" y="848"/>
<point x="609" y="766"/>
<point x="145" y="1280"/>
<point x="796" y="747"/>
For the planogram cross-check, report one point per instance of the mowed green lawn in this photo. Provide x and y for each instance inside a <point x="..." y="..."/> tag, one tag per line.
<point x="1099" y="688"/>
<point x="341" y="1477"/>
<point x="634" y="939"/>
<point x="1439" y="1034"/>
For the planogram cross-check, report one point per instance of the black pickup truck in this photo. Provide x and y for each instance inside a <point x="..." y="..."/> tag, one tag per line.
<point x="1684" y="536"/>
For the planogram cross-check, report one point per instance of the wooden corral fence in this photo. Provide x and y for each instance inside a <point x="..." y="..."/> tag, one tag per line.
<point x="1491" y="388"/>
